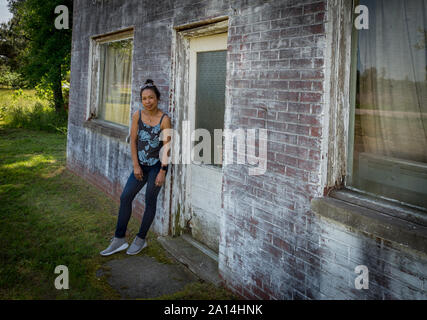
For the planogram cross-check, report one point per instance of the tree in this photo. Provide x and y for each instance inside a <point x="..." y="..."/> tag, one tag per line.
<point x="47" y="55"/>
<point x="12" y="43"/>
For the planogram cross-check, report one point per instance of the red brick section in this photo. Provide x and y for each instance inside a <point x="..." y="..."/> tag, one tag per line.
<point x="276" y="83"/>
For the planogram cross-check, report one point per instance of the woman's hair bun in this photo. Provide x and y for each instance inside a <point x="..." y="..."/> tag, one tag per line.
<point x="149" y="84"/>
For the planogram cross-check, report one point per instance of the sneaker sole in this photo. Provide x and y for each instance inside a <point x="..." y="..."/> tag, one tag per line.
<point x="132" y="254"/>
<point x="124" y="246"/>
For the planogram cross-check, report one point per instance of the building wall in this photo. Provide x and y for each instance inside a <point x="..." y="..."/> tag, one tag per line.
<point x="272" y="244"/>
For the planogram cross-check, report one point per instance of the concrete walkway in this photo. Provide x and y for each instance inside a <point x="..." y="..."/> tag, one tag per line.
<point x="144" y="277"/>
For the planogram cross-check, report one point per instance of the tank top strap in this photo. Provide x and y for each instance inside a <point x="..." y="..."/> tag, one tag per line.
<point x="140" y="118"/>
<point x="161" y="119"/>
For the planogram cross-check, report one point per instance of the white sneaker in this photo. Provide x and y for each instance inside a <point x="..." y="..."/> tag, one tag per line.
<point x="137" y="245"/>
<point x="116" y="245"/>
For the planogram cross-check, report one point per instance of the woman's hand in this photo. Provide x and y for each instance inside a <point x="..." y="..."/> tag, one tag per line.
<point x="160" y="179"/>
<point x="137" y="171"/>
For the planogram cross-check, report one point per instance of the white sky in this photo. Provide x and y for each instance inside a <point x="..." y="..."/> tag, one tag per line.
<point x="5" y="15"/>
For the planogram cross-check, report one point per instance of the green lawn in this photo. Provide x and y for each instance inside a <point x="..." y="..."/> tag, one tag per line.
<point x="50" y="217"/>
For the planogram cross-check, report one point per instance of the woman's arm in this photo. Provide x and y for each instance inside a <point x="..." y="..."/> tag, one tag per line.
<point x="166" y="124"/>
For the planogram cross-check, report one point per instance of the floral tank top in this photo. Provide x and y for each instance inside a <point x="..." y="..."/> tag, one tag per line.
<point x="149" y="143"/>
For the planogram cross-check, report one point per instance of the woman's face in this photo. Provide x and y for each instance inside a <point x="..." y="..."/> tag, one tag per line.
<point x="149" y="99"/>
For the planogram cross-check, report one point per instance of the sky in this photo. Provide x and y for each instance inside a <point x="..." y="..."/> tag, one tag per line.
<point x="5" y="15"/>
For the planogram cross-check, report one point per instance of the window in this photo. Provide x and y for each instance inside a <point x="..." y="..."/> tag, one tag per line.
<point x="112" y="70"/>
<point x="210" y="94"/>
<point x="388" y="144"/>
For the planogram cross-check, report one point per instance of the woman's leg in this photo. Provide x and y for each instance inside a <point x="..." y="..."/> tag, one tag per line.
<point x="133" y="186"/>
<point x="150" y="201"/>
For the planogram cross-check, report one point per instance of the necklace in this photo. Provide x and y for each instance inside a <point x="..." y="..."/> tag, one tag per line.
<point x="149" y="119"/>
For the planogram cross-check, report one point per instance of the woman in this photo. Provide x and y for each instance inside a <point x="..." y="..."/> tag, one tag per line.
<point x="147" y="125"/>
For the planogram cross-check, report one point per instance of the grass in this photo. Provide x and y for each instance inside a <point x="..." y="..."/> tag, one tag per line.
<point x="50" y="217"/>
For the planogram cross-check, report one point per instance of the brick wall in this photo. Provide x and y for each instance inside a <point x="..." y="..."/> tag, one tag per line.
<point x="276" y="82"/>
<point x="272" y="246"/>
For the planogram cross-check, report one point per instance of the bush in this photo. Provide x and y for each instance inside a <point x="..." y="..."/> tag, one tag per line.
<point x="24" y="110"/>
<point x="44" y="91"/>
<point x="10" y="79"/>
<point x="38" y="117"/>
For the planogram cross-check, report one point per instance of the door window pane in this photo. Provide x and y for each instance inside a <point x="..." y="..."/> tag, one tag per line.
<point x="210" y="94"/>
<point x="390" y="133"/>
<point x="115" y="81"/>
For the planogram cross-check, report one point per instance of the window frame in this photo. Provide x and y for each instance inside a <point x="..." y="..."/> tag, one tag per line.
<point x="338" y="124"/>
<point x="351" y="129"/>
<point x="209" y="43"/>
<point x="92" y="111"/>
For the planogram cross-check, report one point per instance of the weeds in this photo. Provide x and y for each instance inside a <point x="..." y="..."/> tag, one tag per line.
<point x="24" y="109"/>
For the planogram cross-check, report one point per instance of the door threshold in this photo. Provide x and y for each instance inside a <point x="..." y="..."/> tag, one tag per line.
<point x="200" y="246"/>
<point x="198" y="259"/>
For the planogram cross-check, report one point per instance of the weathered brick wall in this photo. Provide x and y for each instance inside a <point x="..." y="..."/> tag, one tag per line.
<point x="272" y="246"/>
<point x="395" y="272"/>
<point x="276" y="82"/>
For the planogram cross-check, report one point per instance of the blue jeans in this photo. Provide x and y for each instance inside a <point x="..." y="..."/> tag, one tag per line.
<point x="133" y="186"/>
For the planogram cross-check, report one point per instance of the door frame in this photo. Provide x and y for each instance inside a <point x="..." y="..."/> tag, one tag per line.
<point x="178" y="197"/>
<point x="204" y="207"/>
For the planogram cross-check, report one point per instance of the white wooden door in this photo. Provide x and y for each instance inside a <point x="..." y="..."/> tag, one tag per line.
<point x="207" y="72"/>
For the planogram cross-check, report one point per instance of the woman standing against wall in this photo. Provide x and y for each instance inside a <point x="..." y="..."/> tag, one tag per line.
<point x="148" y="168"/>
